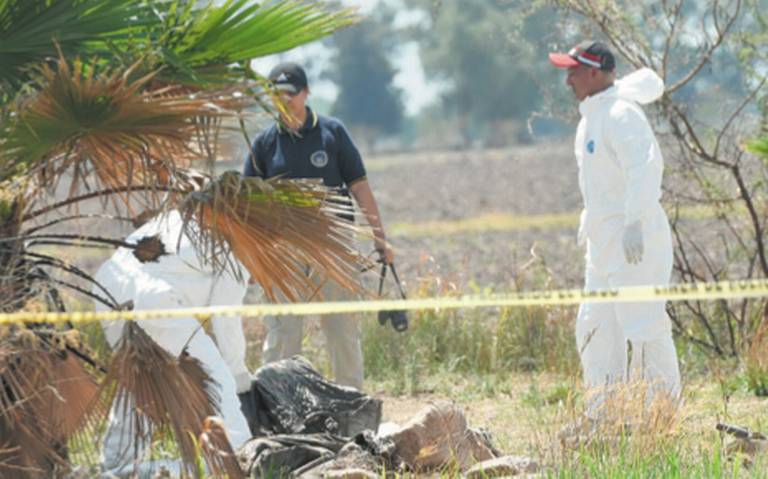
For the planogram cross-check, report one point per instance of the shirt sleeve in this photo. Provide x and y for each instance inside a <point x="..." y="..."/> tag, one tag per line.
<point x="637" y="152"/>
<point x="254" y="161"/>
<point x="350" y="161"/>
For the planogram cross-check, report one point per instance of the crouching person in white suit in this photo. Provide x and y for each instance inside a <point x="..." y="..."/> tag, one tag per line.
<point x="175" y="280"/>
<point x="626" y="231"/>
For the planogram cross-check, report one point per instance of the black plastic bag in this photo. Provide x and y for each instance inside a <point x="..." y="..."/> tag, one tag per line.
<point x="290" y="397"/>
<point x="282" y="455"/>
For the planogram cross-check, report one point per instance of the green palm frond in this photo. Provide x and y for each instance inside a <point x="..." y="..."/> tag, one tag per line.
<point x="277" y="229"/>
<point x="105" y="123"/>
<point x="201" y="44"/>
<point x="29" y="28"/>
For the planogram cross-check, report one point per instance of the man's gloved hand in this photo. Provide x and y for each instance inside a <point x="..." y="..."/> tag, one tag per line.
<point x="242" y="381"/>
<point x="633" y="242"/>
<point x="581" y="237"/>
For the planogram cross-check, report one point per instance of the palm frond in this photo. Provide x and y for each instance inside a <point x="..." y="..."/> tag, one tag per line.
<point x="28" y="29"/>
<point x="218" y="451"/>
<point x="105" y="123"/>
<point x="203" y="43"/>
<point x="277" y="229"/>
<point x="44" y="399"/>
<point x="155" y="391"/>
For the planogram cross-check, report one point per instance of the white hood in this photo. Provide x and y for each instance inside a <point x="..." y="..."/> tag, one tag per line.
<point x="642" y="86"/>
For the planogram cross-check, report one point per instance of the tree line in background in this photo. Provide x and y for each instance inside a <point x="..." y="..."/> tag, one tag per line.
<point x="488" y="59"/>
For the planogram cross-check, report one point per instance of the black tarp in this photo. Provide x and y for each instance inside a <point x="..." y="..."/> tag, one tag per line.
<point x="290" y="397"/>
<point x="300" y="420"/>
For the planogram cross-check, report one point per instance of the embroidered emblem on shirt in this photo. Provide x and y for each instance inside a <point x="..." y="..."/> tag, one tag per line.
<point x="591" y="146"/>
<point x="319" y="159"/>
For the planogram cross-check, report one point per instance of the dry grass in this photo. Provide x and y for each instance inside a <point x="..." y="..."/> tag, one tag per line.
<point x="526" y="414"/>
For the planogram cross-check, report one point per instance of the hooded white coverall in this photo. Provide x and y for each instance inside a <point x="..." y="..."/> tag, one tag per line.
<point x="620" y="172"/>
<point x="177" y="280"/>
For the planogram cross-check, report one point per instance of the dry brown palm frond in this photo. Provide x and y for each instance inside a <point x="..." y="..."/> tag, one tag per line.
<point x="45" y="394"/>
<point x="27" y="441"/>
<point x="109" y="125"/>
<point x="159" y="392"/>
<point x="218" y="451"/>
<point x="278" y="229"/>
<point x="25" y="454"/>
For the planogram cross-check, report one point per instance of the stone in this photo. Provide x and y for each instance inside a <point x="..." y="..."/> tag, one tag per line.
<point x="349" y="474"/>
<point x="438" y="437"/>
<point x="503" y="466"/>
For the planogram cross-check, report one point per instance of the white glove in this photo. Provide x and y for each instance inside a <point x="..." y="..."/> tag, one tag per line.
<point x="242" y="381"/>
<point x="581" y="236"/>
<point x="633" y="242"/>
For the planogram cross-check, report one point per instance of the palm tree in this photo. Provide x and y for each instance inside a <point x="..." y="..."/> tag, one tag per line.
<point x="114" y="100"/>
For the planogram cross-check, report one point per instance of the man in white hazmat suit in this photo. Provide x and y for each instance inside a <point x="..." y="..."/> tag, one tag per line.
<point x="177" y="279"/>
<point x="626" y="231"/>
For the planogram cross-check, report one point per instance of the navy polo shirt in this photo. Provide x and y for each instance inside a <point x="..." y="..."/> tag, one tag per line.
<point x="321" y="149"/>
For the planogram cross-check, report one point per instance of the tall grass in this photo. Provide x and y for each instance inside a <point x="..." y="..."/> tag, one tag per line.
<point x="472" y="342"/>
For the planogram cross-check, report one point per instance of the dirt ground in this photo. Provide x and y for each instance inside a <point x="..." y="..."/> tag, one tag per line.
<point x="472" y="217"/>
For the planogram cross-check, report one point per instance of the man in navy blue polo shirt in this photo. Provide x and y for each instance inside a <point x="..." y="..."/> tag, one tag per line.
<point x="307" y="145"/>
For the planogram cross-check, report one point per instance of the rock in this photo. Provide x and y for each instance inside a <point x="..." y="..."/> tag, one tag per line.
<point x="438" y="436"/>
<point x="747" y="443"/>
<point x="503" y="466"/>
<point x="388" y="428"/>
<point x="350" y="461"/>
<point x="349" y="474"/>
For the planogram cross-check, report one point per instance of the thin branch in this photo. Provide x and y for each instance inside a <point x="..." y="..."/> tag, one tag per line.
<point x="752" y="210"/>
<point x="747" y="100"/>
<point x="33" y="239"/>
<point x="70" y="268"/>
<point x="721" y="34"/>
<point x="673" y="18"/>
<point x="73" y="287"/>
<point x="96" y="194"/>
<point x="682" y="332"/>
<point x="78" y="217"/>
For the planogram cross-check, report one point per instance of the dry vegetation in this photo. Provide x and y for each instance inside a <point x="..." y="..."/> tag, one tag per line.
<point x="516" y="372"/>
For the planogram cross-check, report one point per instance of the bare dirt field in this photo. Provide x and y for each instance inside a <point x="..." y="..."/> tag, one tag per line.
<point x="473" y="216"/>
<point x="470" y="212"/>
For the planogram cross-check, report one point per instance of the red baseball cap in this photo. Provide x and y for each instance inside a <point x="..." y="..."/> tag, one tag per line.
<point x="590" y="53"/>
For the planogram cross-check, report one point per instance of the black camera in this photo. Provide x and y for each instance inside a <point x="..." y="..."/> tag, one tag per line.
<point x="399" y="317"/>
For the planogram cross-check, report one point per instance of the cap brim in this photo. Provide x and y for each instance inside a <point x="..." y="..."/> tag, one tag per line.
<point x="286" y="87"/>
<point x="562" y="60"/>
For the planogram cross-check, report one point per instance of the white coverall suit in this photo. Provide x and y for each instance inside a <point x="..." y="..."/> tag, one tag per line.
<point x="620" y="173"/>
<point x="176" y="280"/>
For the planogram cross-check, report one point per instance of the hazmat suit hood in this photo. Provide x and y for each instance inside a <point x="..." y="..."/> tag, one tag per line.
<point x="642" y="86"/>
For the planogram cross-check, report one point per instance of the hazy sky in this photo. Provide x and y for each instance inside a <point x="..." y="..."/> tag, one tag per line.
<point x="410" y="79"/>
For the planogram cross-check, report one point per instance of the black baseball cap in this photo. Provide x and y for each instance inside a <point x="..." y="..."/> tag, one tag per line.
<point x="289" y="77"/>
<point x="590" y="53"/>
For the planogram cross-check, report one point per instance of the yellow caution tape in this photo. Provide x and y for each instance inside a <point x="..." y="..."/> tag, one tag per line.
<point x="676" y="292"/>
